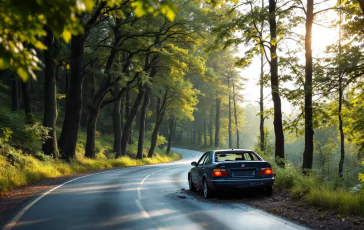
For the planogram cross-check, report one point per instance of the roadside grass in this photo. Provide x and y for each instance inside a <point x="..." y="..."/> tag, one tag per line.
<point x="314" y="191"/>
<point x="323" y="194"/>
<point x="19" y="169"/>
<point x="22" y="162"/>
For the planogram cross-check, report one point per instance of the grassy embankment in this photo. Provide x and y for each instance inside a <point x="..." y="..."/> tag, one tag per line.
<point x="22" y="163"/>
<point x="313" y="189"/>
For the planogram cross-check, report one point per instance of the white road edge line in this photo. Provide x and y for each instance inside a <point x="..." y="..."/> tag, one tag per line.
<point x="139" y="203"/>
<point x="14" y="220"/>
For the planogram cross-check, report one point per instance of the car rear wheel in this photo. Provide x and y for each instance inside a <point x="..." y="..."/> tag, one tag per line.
<point x="190" y="184"/>
<point x="207" y="192"/>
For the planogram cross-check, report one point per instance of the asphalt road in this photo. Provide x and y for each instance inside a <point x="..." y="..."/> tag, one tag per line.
<point x="146" y="197"/>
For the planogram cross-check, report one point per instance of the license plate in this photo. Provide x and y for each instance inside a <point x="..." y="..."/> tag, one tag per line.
<point x="242" y="173"/>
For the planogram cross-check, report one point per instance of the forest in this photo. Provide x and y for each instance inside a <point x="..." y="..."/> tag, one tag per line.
<point x="95" y="84"/>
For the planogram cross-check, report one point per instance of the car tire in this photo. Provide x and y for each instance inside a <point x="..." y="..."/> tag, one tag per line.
<point x="207" y="191"/>
<point x="190" y="184"/>
<point x="268" y="191"/>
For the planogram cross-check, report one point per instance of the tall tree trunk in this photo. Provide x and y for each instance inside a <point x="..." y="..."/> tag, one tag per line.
<point x="129" y="121"/>
<point x="68" y="138"/>
<point x="204" y="130"/>
<point x="153" y="143"/>
<point x="217" y="122"/>
<point x="67" y="82"/>
<point x="361" y="4"/>
<point x="160" y="110"/>
<point x="261" y="102"/>
<point x="341" y="92"/>
<point x="117" y="121"/>
<point x="91" y="123"/>
<point x="236" y="119"/>
<point x="308" y="152"/>
<point x="91" y="133"/>
<point x="199" y="138"/>
<point x="14" y="93"/>
<point x="143" y="117"/>
<point x="342" y="137"/>
<point x="50" y="101"/>
<point x="229" y="126"/>
<point x="27" y="101"/>
<point x="278" y="126"/>
<point x="211" y="125"/>
<point x="127" y="113"/>
<point x="84" y="117"/>
<point x="172" y="125"/>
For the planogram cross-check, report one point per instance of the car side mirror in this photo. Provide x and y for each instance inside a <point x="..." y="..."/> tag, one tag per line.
<point x="193" y="163"/>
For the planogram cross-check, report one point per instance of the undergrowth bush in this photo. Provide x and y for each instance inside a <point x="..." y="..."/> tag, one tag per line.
<point x="341" y="200"/>
<point x="17" y="168"/>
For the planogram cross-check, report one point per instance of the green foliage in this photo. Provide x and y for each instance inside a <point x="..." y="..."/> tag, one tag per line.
<point x="34" y="135"/>
<point x="22" y="26"/>
<point x="344" y="202"/>
<point x="19" y="169"/>
<point x="166" y="7"/>
<point x="6" y="134"/>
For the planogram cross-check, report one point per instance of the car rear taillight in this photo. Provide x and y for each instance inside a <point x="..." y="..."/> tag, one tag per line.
<point x="266" y="171"/>
<point x="219" y="172"/>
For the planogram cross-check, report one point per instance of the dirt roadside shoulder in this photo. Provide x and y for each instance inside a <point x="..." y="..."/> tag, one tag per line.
<point x="282" y="204"/>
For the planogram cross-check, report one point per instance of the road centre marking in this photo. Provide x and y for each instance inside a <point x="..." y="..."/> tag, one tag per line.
<point x="139" y="203"/>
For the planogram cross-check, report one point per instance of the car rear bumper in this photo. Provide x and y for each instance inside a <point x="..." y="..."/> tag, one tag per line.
<point x="221" y="184"/>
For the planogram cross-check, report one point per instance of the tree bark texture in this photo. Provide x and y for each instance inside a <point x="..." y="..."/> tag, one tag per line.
<point x="143" y="117"/>
<point x="211" y="125"/>
<point x="14" y="93"/>
<point x="117" y="122"/>
<point x="236" y="119"/>
<point x="172" y="128"/>
<point x="342" y="137"/>
<point x="204" y="130"/>
<point x="92" y="120"/>
<point x="27" y="101"/>
<point x="361" y="4"/>
<point x="278" y="126"/>
<point x="103" y="90"/>
<point x="50" y="100"/>
<point x="261" y="103"/>
<point x="68" y="138"/>
<point x="129" y="121"/>
<point x="341" y="92"/>
<point x="308" y="152"/>
<point x="127" y="113"/>
<point x="217" y="122"/>
<point x="160" y="110"/>
<point x="229" y="126"/>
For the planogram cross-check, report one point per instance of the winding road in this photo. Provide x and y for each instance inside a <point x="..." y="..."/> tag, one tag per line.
<point x="145" y="197"/>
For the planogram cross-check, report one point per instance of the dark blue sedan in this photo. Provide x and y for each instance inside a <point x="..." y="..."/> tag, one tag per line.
<point x="230" y="169"/>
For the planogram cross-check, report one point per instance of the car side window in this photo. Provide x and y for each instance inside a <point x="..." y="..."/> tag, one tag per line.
<point x="202" y="159"/>
<point x="207" y="159"/>
<point x="254" y="157"/>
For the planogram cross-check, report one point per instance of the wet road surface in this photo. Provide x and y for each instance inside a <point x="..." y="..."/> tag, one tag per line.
<point x="145" y="197"/>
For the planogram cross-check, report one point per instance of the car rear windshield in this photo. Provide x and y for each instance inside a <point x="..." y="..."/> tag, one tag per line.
<point x="236" y="156"/>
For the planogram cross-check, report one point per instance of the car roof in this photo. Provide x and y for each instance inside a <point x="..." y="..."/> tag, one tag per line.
<point x="233" y="150"/>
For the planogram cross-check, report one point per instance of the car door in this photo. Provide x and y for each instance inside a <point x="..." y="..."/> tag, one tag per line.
<point x="201" y="168"/>
<point x="194" y="171"/>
